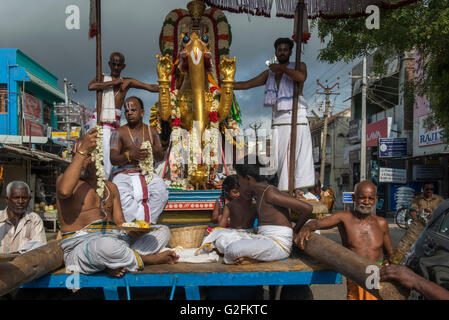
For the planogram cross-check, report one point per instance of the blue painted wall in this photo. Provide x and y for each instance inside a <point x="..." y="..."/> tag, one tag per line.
<point x="14" y="65"/>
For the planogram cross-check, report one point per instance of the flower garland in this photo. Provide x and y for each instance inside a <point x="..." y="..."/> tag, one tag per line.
<point x="147" y="164"/>
<point x="176" y="158"/>
<point x="214" y="132"/>
<point x="97" y="157"/>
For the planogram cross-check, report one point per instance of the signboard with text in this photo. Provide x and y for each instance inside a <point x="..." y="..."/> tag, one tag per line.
<point x="32" y="112"/>
<point x="32" y="108"/>
<point x="376" y="130"/>
<point x="423" y="172"/>
<point x="392" y="147"/>
<point x="347" y="197"/>
<point x="429" y="136"/>
<point x="393" y="175"/>
<point x="36" y="129"/>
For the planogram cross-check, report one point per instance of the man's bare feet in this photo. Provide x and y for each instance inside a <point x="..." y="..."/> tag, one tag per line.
<point x="246" y="260"/>
<point x="116" y="272"/>
<point x="168" y="256"/>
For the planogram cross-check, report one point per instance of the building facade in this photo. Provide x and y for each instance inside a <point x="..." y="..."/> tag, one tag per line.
<point x="400" y="151"/>
<point x="28" y="94"/>
<point x="336" y="173"/>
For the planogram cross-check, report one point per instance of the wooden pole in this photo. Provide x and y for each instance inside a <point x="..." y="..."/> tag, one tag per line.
<point x="30" y="266"/>
<point x="351" y="265"/>
<point x="299" y="30"/>
<point x="98" y="60"/>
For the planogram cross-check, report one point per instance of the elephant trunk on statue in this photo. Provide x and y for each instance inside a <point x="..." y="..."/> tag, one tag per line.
<point x="198" y="85"/>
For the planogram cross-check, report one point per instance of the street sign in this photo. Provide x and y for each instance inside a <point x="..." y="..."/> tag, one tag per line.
<point x="347" y="197"/>
<point x="392" y="175"/>
<point x="392" y="147"/>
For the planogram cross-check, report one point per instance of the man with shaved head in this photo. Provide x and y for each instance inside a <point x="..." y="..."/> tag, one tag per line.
<point x="114" y="89"/>
<point x="361" y="231"/>
<point x="141" y="199"/>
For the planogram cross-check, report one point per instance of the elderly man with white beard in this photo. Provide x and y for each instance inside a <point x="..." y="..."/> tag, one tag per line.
<point x="360" y="230"/>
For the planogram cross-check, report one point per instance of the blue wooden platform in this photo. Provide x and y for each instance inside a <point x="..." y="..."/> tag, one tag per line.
<point x="290" y="271"/>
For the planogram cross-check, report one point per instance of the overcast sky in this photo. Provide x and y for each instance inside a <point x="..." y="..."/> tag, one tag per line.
<point x="37" y="27"/>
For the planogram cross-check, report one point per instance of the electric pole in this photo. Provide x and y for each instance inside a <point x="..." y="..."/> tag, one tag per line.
<point x="256" y="126"/>
<point x="327" y="92"/>
<point x="364" y="78"/>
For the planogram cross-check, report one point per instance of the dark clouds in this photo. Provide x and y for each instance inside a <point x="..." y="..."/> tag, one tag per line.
<point x="132" y="27"/>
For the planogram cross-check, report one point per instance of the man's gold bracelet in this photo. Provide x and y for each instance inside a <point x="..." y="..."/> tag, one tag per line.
<point x="84" y="154"/>
<point x="127" y="156"/>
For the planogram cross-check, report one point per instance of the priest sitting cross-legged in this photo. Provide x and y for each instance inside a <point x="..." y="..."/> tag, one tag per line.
<point x="274" y="237"/>
<point x="143" y="194"/>
<point x="92" y="240"/>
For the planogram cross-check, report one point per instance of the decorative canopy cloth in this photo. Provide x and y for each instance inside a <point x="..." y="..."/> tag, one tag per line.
<point x="330" y="9"/>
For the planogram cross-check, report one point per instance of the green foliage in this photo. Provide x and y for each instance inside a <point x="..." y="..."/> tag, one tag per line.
<point x="422" y="26"/>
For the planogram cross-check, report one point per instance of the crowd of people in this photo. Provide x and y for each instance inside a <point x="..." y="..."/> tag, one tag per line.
<point x="251" y="217"/>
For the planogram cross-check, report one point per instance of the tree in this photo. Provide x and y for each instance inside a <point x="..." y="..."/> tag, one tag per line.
<point x="421" y="26"/>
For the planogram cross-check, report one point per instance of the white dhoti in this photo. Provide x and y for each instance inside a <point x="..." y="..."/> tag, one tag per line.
<point x="280" y="99"/>
<point x="102" y="246"/>
<point x="269" y="244"/>
<point x="139" y="200"/>
<point x="110" y="120"/>
<point x="304" y="168"/>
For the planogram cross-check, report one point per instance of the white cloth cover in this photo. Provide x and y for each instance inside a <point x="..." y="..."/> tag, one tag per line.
<point x="190" y="255"/>
<point x="141" y="201"/>
<point x="304" y="168"/>
<point x="281" y="101"/>
<point x="108" y="103"/>
<point x="269" y="244"/>
<point x="91" y="252"/>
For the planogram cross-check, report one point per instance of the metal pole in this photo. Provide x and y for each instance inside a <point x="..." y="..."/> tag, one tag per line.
<point x="324" y="140"/>
<point x="327" y="92"/>
<point x="363" y="142"/>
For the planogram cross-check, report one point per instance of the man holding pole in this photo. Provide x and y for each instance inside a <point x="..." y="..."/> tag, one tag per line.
<point x="279" y="83"/>
<point x="361" y="231"/>
<point x="114" y="89"/>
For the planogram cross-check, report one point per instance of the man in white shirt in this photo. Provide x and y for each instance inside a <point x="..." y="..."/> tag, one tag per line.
<point x="20" y="229"/>
<point x="279" y="83"/>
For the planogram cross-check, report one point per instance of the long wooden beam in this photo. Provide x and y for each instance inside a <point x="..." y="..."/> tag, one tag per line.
<point x="352" y="266"/>
<point x="30" y="266"/>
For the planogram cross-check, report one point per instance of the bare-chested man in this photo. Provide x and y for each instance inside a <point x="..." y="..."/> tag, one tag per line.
<point x="114" y="89"/>
<point x="92" y="241"/>
<point x="279" y="82"/>
<point x="140" y="200"/>
<point x="361" y="231"/>
<point x="274" y="237"/>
